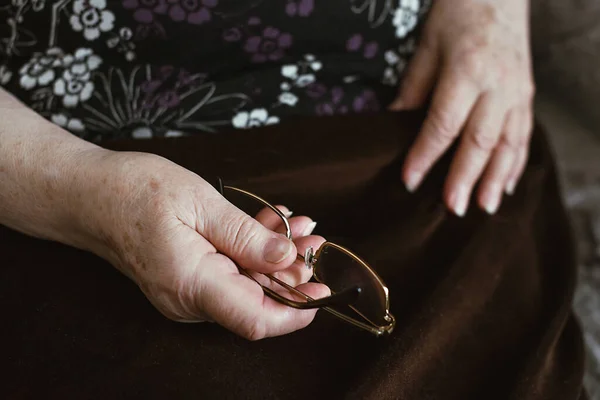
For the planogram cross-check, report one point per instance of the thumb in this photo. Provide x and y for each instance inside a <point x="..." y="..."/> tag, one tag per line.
<point x="244" y="240"/>
<point x="419" y="80"/>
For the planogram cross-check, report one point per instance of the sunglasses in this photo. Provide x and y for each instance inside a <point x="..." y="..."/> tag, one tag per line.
<point x="358" y="295"/>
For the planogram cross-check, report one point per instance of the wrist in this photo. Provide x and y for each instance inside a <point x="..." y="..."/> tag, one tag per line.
<point x="74" y="220"/>
<point x="104" y="199"/>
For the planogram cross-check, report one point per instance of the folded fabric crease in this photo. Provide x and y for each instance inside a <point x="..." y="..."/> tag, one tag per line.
<point x="483" y="303"/>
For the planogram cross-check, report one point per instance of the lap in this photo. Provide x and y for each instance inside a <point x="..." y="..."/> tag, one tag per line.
<point x="482" y="303"/>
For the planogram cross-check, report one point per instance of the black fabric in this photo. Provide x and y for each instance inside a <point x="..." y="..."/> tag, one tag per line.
<point x="483" y="304"/>
<point x="137" y="68"/>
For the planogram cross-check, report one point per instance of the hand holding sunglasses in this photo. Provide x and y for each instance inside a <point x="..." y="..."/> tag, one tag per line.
<point x="358" y="295"/>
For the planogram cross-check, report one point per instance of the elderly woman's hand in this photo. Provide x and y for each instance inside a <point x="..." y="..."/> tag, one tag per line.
<point x="176" y="237"/>
<point x="475" y="56"/>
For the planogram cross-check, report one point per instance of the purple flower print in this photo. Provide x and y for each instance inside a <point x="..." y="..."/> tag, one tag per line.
<point x="366" y="102"/>
<point x="301" y="8"/>
<point x="164" y="89"/>
<point x="194" y="12"/>
<point x="145" y="9"/>
<point x="269" y="46"/>
<point x="334" y="106"/>
<point x="232" y="35"/>
<point x="355" y="42"/>
<point x="315" y="90"/>
<point x="168" y="99"/>
<point x="254" y="21"/>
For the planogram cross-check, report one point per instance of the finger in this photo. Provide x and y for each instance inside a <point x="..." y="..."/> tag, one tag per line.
<point x="479" y="139"/>
<point x="503" y="160"/>
<point x="271" y="220"/>
<point x="453" y="100"/>
<point x="495" y="177"/>
<point x="242" y="238"/>
<point x="240" y="305"/>
<point x="517" y="171"/>
<point x="300" y="226"/>
<point x="523" y="135"/>
<point x="298" y="272"/>
<point x="419" y="78"/>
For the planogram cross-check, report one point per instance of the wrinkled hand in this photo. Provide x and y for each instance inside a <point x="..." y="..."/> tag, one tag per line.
<point x="176" y="236"/>
<point x="475" y="56"/>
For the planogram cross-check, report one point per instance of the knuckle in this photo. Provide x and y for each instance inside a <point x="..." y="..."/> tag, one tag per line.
<point x="509" y="142"/>
<point x="202" y="210"/>
<point x="243" y="232"/>
<point x="483" y="140"/>
<point x="444" y="127"/>
<point x="473" y="64"/>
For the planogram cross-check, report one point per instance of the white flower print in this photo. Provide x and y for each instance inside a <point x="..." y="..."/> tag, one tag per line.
<point x="5" y="75"/>
<point x="297" y="76"/>
<point x="396" y="65"/>
<point x="308" y="65"/>
<point x="391" y="57"/>
<point x="75" y="84"/>
<point x="38" y="5"/>
<point x="288" y="98"/>
<point x="122" y="42"/>
<point x="305" y="80"/>
<point x="396" y="61"/>
<point x="91" y="17"/>
<point x="406" y="17"/>
<point x="142" y="133"/>
<point x="290" y="71"/>
<point x="389" y="77"/>
<point x="173" y="133"/>
<point x="39" y="71"/>
<point x="71" y="124"/>
<point x="255" y="118"/>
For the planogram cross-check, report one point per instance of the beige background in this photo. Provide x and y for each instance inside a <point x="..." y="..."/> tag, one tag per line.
<point x="566" y="49"/>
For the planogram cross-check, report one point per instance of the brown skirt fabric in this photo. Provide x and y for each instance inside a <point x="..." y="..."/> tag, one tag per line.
<point x="483" y="304"/>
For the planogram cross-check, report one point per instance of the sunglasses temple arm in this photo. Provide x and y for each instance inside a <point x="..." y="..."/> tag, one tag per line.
<point x="343" y="298"/>
<point x="218" y="184"/>
<point x="377" y="331"/>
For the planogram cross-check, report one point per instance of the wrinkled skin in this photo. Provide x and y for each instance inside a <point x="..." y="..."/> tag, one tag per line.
<point x="175" y="236"/>
<point x="474" y="61"/>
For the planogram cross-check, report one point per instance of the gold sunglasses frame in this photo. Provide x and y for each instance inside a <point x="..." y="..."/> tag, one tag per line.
<point x="367" y="324"/>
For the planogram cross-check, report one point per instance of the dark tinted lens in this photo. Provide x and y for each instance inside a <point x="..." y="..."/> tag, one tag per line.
<point x="339" y="271"/>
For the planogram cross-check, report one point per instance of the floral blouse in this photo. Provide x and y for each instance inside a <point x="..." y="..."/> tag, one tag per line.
<point x="104" y="69"/>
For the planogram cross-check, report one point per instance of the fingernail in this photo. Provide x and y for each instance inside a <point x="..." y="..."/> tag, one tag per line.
<point x="277" y="250"/>
<point x="492" y="200"/>
<point x="459" y="201"/>
<point x="412" y="181"/>
<point x="510" y="188"/>
<point x="309" y="228"/>
<point x="288" y="213"/>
